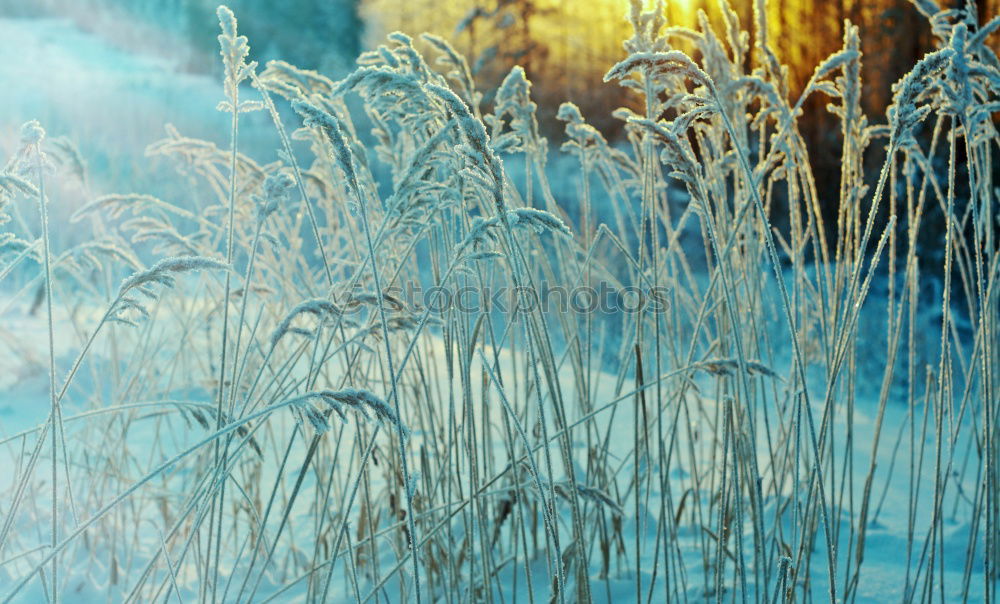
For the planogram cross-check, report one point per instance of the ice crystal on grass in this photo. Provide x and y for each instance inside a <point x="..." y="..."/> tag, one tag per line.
<point x="142" y="284"/>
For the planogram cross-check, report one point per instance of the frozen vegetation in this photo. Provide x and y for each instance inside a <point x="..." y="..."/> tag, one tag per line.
<point x="376" y="340"/>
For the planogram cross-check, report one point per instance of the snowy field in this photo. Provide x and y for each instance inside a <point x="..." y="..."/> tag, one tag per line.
<point x="159" y="435"/>
<point x="766" y="427"/>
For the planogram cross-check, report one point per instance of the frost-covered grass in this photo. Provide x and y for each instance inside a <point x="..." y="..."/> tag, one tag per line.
<point x="257" y="412"/>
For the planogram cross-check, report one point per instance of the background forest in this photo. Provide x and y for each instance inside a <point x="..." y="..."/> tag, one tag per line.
<point x="544" y="36"/>
<point x="563" y="46"/>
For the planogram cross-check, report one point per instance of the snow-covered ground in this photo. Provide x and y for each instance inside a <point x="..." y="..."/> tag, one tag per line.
<point x="111" y="102"/>
<point x="24" y="400"/>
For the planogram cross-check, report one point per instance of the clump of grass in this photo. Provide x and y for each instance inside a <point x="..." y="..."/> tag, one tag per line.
<point x="744" y="441"/>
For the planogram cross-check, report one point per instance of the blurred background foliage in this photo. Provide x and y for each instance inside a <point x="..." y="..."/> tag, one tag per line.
<point x="565" y="46"/>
